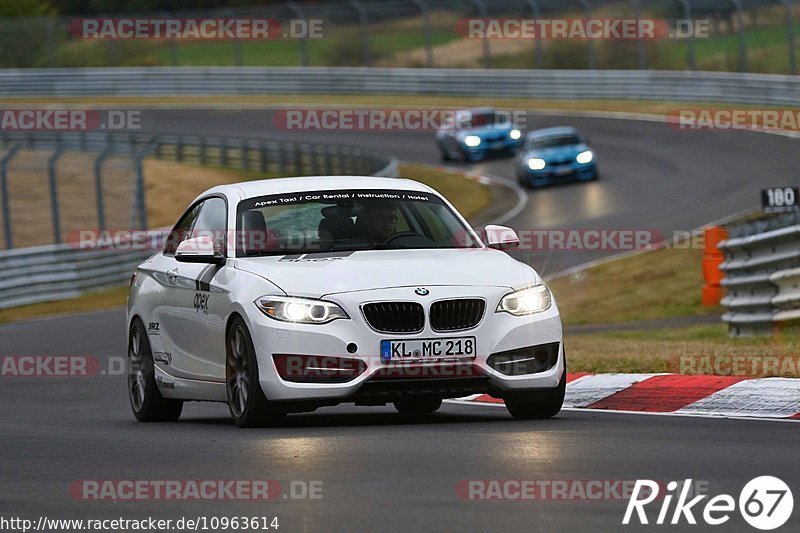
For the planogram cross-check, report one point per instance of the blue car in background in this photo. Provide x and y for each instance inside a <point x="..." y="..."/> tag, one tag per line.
<point x="474" y="133"/>
<point x="555" y="155"/>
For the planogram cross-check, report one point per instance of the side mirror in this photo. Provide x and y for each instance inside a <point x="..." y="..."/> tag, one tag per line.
<point x="199" y="250"/>
<point x="501" y="237"/>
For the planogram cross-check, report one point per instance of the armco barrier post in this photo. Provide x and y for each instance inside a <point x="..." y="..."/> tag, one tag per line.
<point x="298" y="12"/>
<point x="427" y="31"/>
<point x="52" y="179"/>
<point x="98" y="183"/>
<point x="483" y="12"/>
<point x="713" y="257"/>
<point x="10" y="153"/>
<point x="363" y="25"/>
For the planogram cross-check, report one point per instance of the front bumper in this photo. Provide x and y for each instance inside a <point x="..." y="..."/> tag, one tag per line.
<point x="488" y="146"/>
<point x="497" y="332"/>
<point x="559" y="173"/>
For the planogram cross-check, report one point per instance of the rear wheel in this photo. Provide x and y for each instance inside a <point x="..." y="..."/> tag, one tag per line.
<point x="538" y="404"/>
<point x="246" y="401"/>
<point x="417" y="406"/>
<point x="146" y="401"/>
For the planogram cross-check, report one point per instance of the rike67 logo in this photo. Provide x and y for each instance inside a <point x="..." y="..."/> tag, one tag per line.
<point x="765" y="503"/>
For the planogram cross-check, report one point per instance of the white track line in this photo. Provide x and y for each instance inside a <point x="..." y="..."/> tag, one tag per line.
<point x="643" y="413"/>
<point x="764" y="398"/>
<point x="595" y="387"/>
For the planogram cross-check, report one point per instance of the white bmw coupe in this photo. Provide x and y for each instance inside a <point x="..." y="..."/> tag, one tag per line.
<point x="285" y="295"/>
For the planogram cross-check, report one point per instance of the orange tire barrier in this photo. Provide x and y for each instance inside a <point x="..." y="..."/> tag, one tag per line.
<point x="713" y="257"/>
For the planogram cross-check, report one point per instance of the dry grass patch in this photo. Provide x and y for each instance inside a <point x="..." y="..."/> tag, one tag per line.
<point x="171" y="186"/>
<point x="468" y="196"/>
<point x="94" y="301"/>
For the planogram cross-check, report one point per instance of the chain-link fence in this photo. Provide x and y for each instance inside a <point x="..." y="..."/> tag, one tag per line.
<point x="728" y="35"/>
<point x="55" y="185"/>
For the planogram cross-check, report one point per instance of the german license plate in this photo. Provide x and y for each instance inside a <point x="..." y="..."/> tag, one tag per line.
<point x="416" y="350"/>
<point x="563" y="171"/>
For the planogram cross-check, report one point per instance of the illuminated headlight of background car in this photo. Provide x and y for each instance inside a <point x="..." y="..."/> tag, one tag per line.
<point x="526" y="301"/>
<point x="300" y="310"/>
<point x="536" y="164"/>
<point x="472" y="141"/>
<point x="584" y="157"/>
<point x="515" y="134"/>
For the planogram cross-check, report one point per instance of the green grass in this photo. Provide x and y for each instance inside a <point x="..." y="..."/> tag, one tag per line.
<point x="688" y="350"/>
<point x="767" y="49"/>
<point x="664" y="283"/>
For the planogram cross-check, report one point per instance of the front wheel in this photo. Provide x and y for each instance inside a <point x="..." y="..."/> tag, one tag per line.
<point x="417" y="406"/>
<point x="538" y="404"/>
<point x="146" y="401"/>
<point x="246" y="401"/>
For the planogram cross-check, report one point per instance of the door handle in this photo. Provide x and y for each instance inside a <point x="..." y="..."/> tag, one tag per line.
<point x="172" y="275"/>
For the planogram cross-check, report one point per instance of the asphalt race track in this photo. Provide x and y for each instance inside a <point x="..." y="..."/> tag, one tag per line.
<point x="380" y="470"/>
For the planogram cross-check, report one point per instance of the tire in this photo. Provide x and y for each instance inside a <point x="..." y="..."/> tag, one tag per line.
<point x="417" y="406"/>
<point x="246" y="401"/>
<point x="147" y="403"/>
<point x="538" y="404"/>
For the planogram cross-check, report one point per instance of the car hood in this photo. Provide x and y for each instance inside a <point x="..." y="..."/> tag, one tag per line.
<point x="317" y="275"/>
<point x="554" y="153"/>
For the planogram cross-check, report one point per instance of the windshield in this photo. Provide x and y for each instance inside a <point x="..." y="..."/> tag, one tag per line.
<point x="478" y="120"/>
<point x="347" y="220"/>
<point x="554" y="142"/>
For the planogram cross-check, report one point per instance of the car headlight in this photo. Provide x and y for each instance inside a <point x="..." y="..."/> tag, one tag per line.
<point x="472" y="141"/>
<point x="300" y="310"/>
<point x="584" y="157"/>
<point x="515" y="134"/>
<point x="536" y="164"/>
<point x="526" y="301"/>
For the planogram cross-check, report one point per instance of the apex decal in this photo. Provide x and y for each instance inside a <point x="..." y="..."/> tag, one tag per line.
<point x="201" y="302"/>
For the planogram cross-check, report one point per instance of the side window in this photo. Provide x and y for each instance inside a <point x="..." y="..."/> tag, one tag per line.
<point x="212" y="221"/>
<point x="182" y="230"/>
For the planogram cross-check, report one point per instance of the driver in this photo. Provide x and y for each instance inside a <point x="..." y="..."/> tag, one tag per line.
<point x="380" y="219"/>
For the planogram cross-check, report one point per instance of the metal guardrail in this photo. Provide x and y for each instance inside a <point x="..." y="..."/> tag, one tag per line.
<point x="57" y="272"/>
<point x="60" y="271"/>
<point x="730" y="87"/>
<point x="762" y="275"/>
